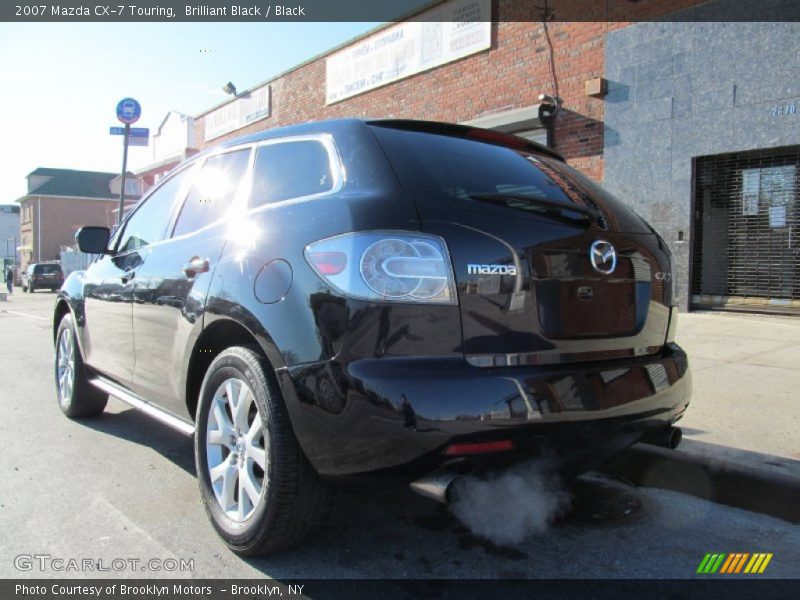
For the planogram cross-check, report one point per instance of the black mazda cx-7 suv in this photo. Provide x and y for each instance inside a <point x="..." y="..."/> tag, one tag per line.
<point x="383" y="301"/>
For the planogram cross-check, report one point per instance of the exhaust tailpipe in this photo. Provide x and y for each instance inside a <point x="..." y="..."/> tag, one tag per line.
<point x="439" y="485"/>
<point x="669" y="437"/>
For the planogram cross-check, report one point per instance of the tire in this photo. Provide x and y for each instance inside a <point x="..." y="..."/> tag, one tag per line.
<point x="76" y="396"/>
<point x="273" y="498"/>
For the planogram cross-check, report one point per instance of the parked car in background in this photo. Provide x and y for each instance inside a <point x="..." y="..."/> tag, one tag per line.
<point x="394" y="301"/>
<point x="42" y="276"/>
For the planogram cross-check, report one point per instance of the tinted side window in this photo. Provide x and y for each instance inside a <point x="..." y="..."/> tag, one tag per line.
<point x="289" y="170"/>
<point x="148" y="224"/>
<point x="213" y="191"/>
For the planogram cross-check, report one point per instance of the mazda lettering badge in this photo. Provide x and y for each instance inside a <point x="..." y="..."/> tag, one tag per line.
<point x="603" y="257"/>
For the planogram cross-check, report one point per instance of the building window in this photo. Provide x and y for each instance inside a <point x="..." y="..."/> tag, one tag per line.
<point x="133" y="187"/>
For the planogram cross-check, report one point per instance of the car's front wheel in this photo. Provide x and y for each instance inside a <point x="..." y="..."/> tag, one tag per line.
<point x="258" y="488"/>
<point x="76" y="396"/>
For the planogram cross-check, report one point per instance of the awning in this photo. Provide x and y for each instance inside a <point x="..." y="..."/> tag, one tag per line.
<point x="516" y="119"/>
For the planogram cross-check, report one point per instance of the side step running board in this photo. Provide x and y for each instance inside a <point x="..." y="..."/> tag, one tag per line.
<point x="127" y="397"/>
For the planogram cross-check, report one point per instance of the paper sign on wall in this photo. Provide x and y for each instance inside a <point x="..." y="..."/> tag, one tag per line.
<point x="777" y="216"/>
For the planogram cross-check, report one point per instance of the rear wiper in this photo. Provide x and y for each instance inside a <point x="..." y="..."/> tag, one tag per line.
<point x="553" y="208"/>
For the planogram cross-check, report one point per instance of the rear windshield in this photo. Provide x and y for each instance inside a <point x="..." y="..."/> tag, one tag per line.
<point x="42" y="269"/>
<point x="456" y="171"/>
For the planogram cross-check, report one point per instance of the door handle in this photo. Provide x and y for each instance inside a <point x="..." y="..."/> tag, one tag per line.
<point x="127" y="276"/>
<point x="195" y="266"/>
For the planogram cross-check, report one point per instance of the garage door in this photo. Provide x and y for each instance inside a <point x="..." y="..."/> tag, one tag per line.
<point x="747" y="231"/>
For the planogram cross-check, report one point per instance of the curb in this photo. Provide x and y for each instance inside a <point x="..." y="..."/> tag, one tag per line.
<point x="719" y="481"/>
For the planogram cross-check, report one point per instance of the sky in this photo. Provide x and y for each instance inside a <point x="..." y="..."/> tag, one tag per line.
<point x="61" y="83"/>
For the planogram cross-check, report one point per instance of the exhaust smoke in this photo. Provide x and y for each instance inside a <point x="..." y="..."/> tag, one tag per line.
<point x="506" y="507"/>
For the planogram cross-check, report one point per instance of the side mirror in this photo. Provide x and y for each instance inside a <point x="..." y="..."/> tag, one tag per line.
<point x="93" y="240"/>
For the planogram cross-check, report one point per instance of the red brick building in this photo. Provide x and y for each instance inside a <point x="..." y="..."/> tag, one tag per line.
<point x="646" y="100"/>
<point x="59" y="202"/>
<point x="521" y="62"/>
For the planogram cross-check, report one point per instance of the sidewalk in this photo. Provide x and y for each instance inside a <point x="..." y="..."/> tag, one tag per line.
<point x="746" y="398"/>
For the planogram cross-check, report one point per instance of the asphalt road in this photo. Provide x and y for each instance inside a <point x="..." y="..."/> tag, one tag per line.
<point x="123" y="487"/>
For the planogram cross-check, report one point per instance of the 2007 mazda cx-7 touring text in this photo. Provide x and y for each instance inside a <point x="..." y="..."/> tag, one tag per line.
<point x="391" y="301"/>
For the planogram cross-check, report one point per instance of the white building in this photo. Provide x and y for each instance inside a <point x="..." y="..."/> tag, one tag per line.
<point x="9" y="232"/>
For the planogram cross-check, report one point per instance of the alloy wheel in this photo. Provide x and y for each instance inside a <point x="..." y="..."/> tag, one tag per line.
<point x="65" y="366"/>
<point x="236" y="449"/>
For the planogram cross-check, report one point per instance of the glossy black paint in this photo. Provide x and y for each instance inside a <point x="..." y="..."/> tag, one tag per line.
<point x="399" y="414"/>
<point x="373" y="387"/>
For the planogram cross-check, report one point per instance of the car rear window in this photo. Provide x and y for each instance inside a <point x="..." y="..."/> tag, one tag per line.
<point x="43" y="269"/>
<point x="452" y="170"/>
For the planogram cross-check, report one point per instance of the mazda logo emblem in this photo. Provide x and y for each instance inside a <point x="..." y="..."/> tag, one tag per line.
<point x="603" y="257"/>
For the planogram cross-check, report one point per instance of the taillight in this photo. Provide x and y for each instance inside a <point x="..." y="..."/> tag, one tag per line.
<point x="328" y="263"/>
<point x="479" y="448"/>
<point x="388" y="266"/>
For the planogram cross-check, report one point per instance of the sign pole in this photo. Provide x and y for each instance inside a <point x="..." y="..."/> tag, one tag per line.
<point x="128" y="111"/>
<point x="124" y="170"/>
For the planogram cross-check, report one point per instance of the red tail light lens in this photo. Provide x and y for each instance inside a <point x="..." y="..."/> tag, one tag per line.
<point x="328" y="263"/>
<point x="479" y="448"/>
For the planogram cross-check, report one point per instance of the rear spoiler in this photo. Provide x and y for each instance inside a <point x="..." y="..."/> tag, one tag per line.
<point x="465" y="131"/>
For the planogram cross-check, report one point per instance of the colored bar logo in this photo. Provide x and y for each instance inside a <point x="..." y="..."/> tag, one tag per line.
<point x="737" y="562"/>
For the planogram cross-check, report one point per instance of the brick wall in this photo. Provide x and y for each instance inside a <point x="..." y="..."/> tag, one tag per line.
<point x="511" y="74"/>
<point x="60" y="219"/>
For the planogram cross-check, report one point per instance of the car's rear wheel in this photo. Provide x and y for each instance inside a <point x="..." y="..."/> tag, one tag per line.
<point x="76" y="396"/>
<point x="258" y="488"/>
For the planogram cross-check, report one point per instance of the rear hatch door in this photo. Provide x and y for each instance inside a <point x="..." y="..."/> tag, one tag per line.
<point x="549" y="266"/>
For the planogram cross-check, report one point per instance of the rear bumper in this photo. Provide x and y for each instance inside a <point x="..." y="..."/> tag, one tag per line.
<point x="396" y="417"/>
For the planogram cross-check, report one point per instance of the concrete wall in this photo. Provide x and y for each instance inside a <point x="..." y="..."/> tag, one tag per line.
<point x="683" y="90"/>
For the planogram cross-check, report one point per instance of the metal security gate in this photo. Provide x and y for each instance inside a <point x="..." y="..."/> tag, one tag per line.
<point x="746" y="251"/>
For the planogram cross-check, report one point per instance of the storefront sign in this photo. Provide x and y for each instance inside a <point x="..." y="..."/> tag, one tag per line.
<point x="241" y="112"/>
<point x="443" y="34"/>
